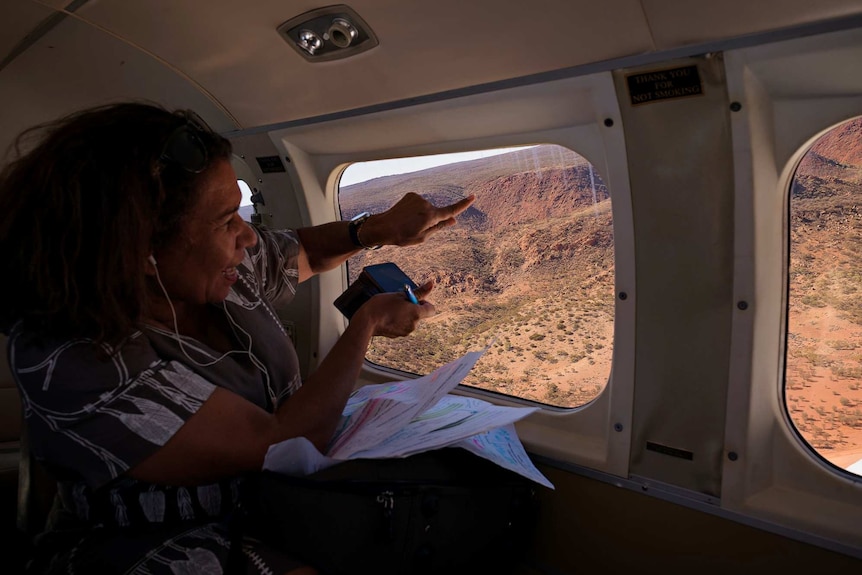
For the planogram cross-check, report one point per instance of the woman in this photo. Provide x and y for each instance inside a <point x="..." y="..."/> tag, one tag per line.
<point x="153" y="370"/>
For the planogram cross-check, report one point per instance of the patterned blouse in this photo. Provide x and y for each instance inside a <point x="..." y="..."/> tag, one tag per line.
<point x="92" y="415"/>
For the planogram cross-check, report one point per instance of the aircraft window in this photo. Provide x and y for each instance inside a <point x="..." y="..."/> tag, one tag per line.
<point x="528" y="270"/>
<point x="823" y="380"/>
<point x="246" y="207"/>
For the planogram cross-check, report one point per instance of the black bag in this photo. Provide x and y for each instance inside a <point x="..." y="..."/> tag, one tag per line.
<point x="444" y="511"/>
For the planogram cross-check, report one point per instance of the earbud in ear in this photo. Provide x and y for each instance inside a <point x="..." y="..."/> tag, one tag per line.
<point x="151" y="259"/>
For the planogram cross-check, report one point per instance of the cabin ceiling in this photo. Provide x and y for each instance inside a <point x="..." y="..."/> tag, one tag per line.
<point x="225" y="59"/>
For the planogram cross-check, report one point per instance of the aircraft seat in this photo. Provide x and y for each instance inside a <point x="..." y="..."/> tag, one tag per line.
<point x="10" y="445"/>
<point x="10" y="465"/>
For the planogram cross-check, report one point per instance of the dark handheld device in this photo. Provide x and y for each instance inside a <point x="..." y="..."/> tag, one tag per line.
<point x="374" y="279"/>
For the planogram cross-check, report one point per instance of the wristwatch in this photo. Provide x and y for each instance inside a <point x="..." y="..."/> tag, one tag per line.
<point x="356" y="223"/>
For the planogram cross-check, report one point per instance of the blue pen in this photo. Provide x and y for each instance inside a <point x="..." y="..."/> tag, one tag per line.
<point x="410" y="295"/>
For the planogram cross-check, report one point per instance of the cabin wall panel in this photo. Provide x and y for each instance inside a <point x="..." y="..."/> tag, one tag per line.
<point x="17" y="20"/>
<point x="682" y="200"/>
<point x="590" y="526"/>
<point x="284" y="209"/>
<point x="680" y="22"/>
<point x="48" y="80"/>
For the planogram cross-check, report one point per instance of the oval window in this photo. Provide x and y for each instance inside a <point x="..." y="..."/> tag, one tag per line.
<point x="823" y="379"/>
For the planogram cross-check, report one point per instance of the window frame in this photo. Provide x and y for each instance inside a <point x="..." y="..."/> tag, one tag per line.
<point x="596" y="435"/>
<point x="571" y="112"/>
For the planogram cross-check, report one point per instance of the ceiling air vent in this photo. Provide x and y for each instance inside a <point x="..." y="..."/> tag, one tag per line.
<point x="328" y="33"/>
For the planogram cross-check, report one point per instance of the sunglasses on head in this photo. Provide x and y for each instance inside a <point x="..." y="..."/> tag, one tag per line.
<point x="184" y="148"/>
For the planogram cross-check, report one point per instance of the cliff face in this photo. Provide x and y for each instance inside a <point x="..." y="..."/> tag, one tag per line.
<point x="536" y="210"/>
<point x="527" y="197"/>
<point x="842" y="145"/>
<point x="501" y="176"/>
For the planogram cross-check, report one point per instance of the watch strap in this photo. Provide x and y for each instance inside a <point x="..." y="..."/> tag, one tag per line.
<point x="353" y="228"/>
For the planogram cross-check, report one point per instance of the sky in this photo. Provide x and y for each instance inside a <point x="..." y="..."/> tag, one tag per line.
<point x="363" y="171"/>
<point x="246" y="193"/>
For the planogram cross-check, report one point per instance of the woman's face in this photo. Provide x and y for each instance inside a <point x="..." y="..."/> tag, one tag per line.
<point x="199" y="266"/>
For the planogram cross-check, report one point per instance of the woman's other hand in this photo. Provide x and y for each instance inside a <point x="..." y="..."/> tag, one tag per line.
<point x="411" y="221"/>
<point x="393" y="315"/>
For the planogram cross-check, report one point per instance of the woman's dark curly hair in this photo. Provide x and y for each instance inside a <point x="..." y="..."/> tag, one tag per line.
<point x="84" y="207"/>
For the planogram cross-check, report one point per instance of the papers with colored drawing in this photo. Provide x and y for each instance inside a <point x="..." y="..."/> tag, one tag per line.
<point x="406" y="417"/>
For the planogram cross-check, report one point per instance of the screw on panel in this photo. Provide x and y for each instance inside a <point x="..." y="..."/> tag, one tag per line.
<point x="743" y="305"/>
<point x="618" y="427"/>
<point x="609" y="122"/>
<point x="287" y="159"/>
<point x="735" y="106"/>
<point x="623" y="295"/>
<point x="732" y="456"/>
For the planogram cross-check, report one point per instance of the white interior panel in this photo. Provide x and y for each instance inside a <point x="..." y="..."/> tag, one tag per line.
<point x="17" y="19"/>
<point x="512" y="111"/>
<point x="423" y="49"/>
<point x="677" y="23"/>
<point x="49" y="80"/>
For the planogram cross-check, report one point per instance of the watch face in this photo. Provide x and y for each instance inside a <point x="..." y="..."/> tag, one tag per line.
<point x="360" y="217"/>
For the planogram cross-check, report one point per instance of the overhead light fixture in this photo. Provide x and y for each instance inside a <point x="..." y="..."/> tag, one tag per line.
<point x="342" y="32"/>
<point x="309" y="41"/>
<point x="328" y="34"/>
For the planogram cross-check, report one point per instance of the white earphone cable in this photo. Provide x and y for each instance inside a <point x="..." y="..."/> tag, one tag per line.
<point x="176" y="334"/>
